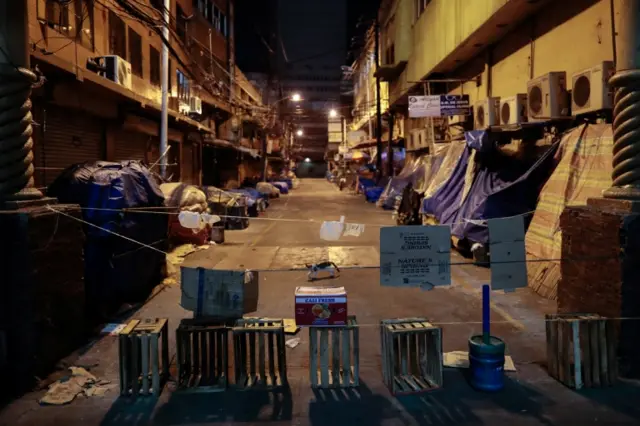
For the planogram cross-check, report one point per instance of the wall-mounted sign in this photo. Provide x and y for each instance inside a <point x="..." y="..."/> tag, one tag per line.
<point x="438" y="106"/>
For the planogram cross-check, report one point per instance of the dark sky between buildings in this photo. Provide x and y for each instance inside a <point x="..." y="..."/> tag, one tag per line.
<point x="255" y="24"/>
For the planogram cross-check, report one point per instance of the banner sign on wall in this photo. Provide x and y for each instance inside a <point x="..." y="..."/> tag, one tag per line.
<point x="438" y="106"/>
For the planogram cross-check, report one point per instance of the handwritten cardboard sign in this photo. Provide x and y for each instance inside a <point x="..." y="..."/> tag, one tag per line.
<point x="508" y="254"/>
<point x="415" y="256"/>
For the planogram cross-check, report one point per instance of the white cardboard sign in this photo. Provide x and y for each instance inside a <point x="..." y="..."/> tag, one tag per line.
<point x="508" y="254"/>
<point x="415" y="256"/>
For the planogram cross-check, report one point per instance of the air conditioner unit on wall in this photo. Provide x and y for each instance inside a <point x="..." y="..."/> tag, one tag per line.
<point x="115" y="69"/>
<point x="417" y="139"/>
<point x="423" y="141"/>
<point x="547" y="97"/>
<point x="513" y="110"/>
<point x="183" y="107"/>
<point x="590" y="89"/>
<point x="196" y="105"/>
<point x="486" y="113"/>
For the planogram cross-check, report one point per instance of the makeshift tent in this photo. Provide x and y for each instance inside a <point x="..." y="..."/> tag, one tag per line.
<point x="452" y="153"/>
<point x="583" y="171"/>
<point x="116" y="270"/>
<point x="416" y="172"/>
<point x="488" y="184"/>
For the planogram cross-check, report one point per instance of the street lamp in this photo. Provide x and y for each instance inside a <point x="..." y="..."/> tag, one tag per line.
<point x="296" y="97"/>
<point x="333" y="113"/>
<point x="299" y="132"/>
<point x="307" y="160"/>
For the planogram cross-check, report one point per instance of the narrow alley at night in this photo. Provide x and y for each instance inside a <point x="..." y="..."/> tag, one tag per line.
<point x="323" y="213"/>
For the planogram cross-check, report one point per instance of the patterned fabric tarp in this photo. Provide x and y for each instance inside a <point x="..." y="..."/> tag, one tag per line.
<point x="583" y="171"/>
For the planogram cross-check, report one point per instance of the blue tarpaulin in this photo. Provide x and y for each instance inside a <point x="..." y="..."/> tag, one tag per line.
<point x="502" y="186"/>
<point x="116" y="270"/>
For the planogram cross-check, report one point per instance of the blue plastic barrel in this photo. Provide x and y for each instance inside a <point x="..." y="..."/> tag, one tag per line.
<point x="486" y="363"/>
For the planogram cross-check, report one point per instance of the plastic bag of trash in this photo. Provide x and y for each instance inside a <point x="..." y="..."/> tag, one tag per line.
<point x="332" y="231"/>
<point x="185" y="197"/>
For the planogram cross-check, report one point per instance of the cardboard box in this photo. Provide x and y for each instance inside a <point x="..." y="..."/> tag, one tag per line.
<point x="219" y="294"/>
<point x="321" y="306"/>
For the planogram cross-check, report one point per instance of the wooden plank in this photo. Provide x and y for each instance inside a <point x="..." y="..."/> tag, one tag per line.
<point x="134" y="360"/>
<point x="577" y="353"/>
<point x="383" y="343"/>
<point x="123" y="351"/>
<point x="324" y="357"/>
<point x="335" y="357"/>
<point x="346" y="357"/>
<point x="585" y="349"/>
<point x="440" y="361"/>
<point x="155" y="364"/>
<point x="252" y="354"/>
<point x="197" y="370"/>
<point x="261" y="358"/>
<point x="164" y="358"/>
<point x="550" y="344"/>
<point x="237" y="358"/>
<point x="604" y="362"/>
<point x="612" y="347"/>
<point x="554" y="367"/>
<point x="145" y="356"/>
<point x="271" y="350"/>
<point x="313" y="356"/>
<point x="595" y="353"/>
<point x="282" y="356"/>
<point x="567" y="333"/>
<point x="356" y="354"/>
<point x="205" y="358"/>
<point x="413" y="350"/>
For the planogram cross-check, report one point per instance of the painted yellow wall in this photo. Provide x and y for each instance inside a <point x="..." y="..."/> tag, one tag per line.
<point x="442" y="27"/>
<point x="576" y="44"/>
<point x="570" y="36"/>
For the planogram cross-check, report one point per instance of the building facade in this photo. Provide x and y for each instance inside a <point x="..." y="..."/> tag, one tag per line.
<point x="101" y="101"/>
<point x="489" y="48"/>
<point x="311" y="47"/>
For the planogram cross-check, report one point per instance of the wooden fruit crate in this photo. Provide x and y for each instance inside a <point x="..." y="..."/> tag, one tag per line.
<point x="259" y="354"/>
<point x="344" y="369"/>
<point x="411" y="355"/>
<point x="144" y="357"/>
<point x="202" y="355"/>
<point x="581" y="350"/>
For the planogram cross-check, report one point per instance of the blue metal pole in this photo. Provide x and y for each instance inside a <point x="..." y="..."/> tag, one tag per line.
<point x="486" y="314"/>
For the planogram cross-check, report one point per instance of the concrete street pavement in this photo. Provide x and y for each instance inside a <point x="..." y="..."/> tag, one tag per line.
<point x="531" y="397"/>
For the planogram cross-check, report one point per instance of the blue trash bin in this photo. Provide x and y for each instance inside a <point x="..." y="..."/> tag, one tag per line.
<point x="486" y="363"/>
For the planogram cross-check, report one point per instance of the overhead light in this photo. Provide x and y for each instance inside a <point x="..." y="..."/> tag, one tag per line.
<point x="333" y="113"/>
<point x="299" y="132"/>
<point x="307" y="160"/>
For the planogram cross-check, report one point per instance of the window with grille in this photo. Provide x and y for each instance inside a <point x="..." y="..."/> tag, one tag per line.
<point x="59" y="16"/>
<point x="117" y="35"/>
<point x="420" y="6"/>
<point x="135" y="52"/>
<point x="154" y="66"/>
<point x="181" y="25"/>
<point x="84" y="23"/>
<point x="184" y="86"/>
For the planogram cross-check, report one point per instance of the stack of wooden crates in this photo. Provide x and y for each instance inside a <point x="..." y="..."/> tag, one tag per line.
<point x="219" y="299"/>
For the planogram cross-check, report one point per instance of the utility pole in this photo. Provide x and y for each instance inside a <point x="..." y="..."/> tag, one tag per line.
<point x="164" y="120"/>
<point x="16" y="80"/>
<point x="390" y="148"/>
<point x="378" y="105"/>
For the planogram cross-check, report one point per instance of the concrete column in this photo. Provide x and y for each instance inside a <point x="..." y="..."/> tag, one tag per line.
<point x="601" y="241"/>
<point x="16" y="80"/>
<point x="626" y="112"/>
